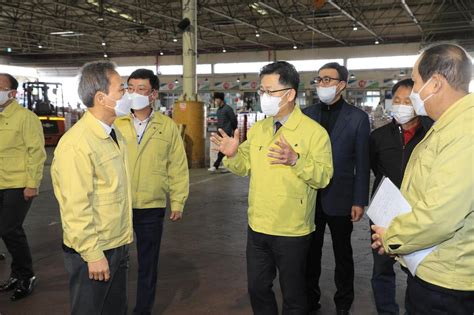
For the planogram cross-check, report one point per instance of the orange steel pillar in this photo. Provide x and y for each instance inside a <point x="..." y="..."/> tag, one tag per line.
<point x="190" y="114"/>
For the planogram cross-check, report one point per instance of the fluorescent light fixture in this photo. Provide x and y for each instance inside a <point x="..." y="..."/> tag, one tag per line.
<point x="40" y="46"/>
<point x="161" y="53"/>
<point x="312" y="65"/>
<point x="354" y="27"/>
<point x="376" y="42"/>
<point x="239" y="67"/>
<point x="72" y="35"/>
<point x="254" y="67"/>
<point x="224" y="50"/>
<point x="105" y="55"/>
<point x="258" y="8"/>
<point x="104" y="43"/>
<point x="391" y="62"/>
<point x="295" y="47"/>
<point x="61" y="33"/>
<point x="19" y="71"/>
<point x="175" y="39"/>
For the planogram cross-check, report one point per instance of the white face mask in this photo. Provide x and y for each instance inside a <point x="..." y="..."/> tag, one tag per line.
<point x="270" y="104"/>
<point x="139" y="101"/>
<point x="326" y="94"/>
<point x="403" y="113"/>
<point x="122" y="106"/>
<point x="418" y="103"/>
<point x="4" y="97"/>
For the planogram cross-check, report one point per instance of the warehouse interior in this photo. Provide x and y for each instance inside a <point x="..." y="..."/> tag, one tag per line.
<point x="202" y="268"/>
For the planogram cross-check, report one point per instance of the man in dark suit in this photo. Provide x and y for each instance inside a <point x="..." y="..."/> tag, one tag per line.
<point x="342" y="202"/>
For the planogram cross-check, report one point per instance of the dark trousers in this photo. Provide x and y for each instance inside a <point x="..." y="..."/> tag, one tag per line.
<point x="341" y="230"/>
<point x="148" y="226"/>
<point x="218" y="161"/>
<point x="94" y="297"/>
<point x="383" y="284"/>
<point x="13" y="210"/>
<point x="423" y="298"/>
<point x="266" y="254"/>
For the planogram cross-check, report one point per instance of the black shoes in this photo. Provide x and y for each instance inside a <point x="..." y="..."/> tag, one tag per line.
<point x="8" y="285"/>
<point x="22" y="288"/>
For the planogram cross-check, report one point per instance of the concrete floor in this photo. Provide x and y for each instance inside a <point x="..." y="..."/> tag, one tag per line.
<point x="202" y="263"/>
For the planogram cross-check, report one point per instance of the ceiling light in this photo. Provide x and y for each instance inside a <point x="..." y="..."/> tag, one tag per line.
<point x="377" y="42"/>
<point x="395" y="81"/>
<point x="295" y="47"/>
<point x="176" y="81"/>
<point x="161" y="53"/>
<point x="40" y="46"/>
<point x="105" y="55"/>
<point x="354" y="27"/>
<point x="72" y="35"/>
<point x="62" y="33"/>
<point x="402" y="73"/>
<point x="352" y="76"/>
<point x="224" y="50"/>
<point x="9" y="49"/>
<point x="257" y="7"/>
<point x="100" y="19"/>
<point x="257" y="34"/>
<point x="238" y="80"/>
<point x="104" y="43"/>
<point x="175" y="39"/>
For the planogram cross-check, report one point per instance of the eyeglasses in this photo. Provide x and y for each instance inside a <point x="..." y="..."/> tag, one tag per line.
<point x="325" y="80"/>
<point x="270" y="93"/>
<point x="139" y="90"/>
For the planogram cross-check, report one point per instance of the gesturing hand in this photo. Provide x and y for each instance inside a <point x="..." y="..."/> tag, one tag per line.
<point x="227" y="145"/>
<point x="284" y="154"/>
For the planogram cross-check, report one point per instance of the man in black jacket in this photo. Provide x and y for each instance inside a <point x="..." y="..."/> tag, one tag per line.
<point x="390" y="150"/>
<point x="226" y="120"/>
<point x="342" y="202"/>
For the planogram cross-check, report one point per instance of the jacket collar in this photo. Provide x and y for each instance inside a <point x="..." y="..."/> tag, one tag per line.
<point x="294" y="119"/>
<point x="94" y="125"/>
<point x="456" y="110"/>
<point x="11" y="109"/>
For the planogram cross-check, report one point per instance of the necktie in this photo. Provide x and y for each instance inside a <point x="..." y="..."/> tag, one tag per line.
<point x="114" y="136"/>
<point x="277" y="126"/>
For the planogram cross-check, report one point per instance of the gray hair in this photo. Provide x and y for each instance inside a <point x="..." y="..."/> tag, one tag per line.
<point x="94" y="77"/>
<point x="449" y="60"/>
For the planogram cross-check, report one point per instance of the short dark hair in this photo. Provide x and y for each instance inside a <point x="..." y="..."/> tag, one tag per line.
<point x="341" y="70"/>
<point x="146" y="74"/>
<point x="288" y="74"/>
<point x="449" y="60"/>
<point x="13" y="81"/>
<point x="94" y="77"/>
<point x="406" y="83"/>
<point x="219" y="95"/>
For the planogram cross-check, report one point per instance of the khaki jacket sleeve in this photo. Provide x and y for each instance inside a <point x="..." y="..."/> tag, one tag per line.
<point x="36" y="155"/>
<point x="445" y="203"/>
<point x="240" y="163"/>
<point x="316" y="169"/>
<point x="178" y="173"/>
<point x="72" y="173"/>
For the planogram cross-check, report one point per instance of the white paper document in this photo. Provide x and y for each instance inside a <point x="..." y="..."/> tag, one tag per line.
<point x="388" y="203"/>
